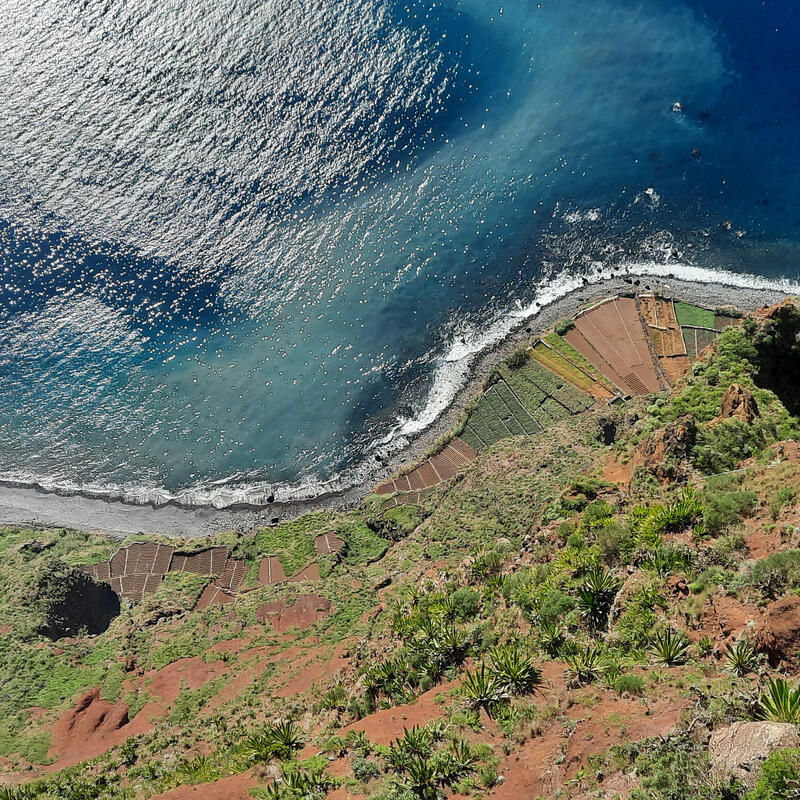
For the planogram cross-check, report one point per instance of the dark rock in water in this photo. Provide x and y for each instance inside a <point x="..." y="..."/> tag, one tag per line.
<point x="271" y="498"/>
<point x="274" y="520"/>
<point x="636" y="282"/>
<point x="378" y="457"/>
<point x="68" y="602"/>
<point x="627" y="280"/>
<point x="647" y="286"/>
<point x="528" y="329"/>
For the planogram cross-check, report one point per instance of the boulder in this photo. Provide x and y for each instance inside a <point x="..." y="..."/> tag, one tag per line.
<point x="738" y="402"/>
<point x="779" y="637"/>
<point x="740" y="749"/>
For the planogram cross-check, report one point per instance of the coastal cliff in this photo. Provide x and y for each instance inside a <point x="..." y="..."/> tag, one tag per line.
<point x="586" y="589"/>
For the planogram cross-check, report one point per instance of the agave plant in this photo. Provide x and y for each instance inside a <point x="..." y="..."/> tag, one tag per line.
<point x="458" y="763"/>
<point x="670" y="647"/>
<point x="279" y="740"/>
<point x="585" y="665"/>
<point x="358" y="741"/>
<point x="514" y="670"/>
<point x="551" y="638"/>
<point x="422" y="778"/>
<point x="596" y="596"/>
<point x="416" y="740"/>
<point x="742" y="658"/>
<point x="199" y="770"/>
<point x="482" y="688"/>
<point x="779" y="703"/>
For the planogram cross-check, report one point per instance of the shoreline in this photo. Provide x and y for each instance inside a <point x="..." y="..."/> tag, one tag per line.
<point x="37" y="507"/>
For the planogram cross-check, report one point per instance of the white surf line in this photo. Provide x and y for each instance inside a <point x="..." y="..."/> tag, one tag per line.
<point x="450" y="375"/>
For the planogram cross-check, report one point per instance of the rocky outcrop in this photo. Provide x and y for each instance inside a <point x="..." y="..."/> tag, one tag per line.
<point x="740" y="748"/>
<point x="67" y="601"/>
<point x="779" y="637"/>
<point x="665" y="454"/>
<point x="738" y="402"/>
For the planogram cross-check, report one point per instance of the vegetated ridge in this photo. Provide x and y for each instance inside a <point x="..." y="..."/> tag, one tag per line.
<point x="601" y="604"/>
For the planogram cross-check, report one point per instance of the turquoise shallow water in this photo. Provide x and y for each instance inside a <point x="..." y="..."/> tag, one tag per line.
<point x="252" y="243"/>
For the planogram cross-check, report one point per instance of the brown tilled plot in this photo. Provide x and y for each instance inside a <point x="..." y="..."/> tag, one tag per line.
<point x="659" y="314"/>
<point x="270" y="571"/>
<point x="308" y="573"/>
<point x="615" y="331"/>
<point x="214" y="596"/>
<point x="433" y="470"/>
<point x="233" y="575"/>
<point x="328" y="544"/>
<point x="210" y="561"/>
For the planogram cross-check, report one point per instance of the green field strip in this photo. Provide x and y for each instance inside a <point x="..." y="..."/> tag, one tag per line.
<point x="552" y="360"/>
<point x="704" y="338"/>
<point x="517" y="409"/>
<point x="471" y="438"/>
<point x="694" y="316"/>
<point x="478" y="424"/>
<point x="543" y="378"/>
<point x="690" y="341"/>
<point x="570" y="353"/>
<point x="527" y="392"/>
<point x="501" y="408"/>
<point x="574" y="399"/>
<point x="492" y="422"/>
<point x="554" y="409"/>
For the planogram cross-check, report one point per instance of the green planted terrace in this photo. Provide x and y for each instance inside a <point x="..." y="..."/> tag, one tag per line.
<point x="523" y="397"/>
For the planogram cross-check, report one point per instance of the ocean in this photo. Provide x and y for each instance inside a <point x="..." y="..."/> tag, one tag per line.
<point x="249" y="245"/>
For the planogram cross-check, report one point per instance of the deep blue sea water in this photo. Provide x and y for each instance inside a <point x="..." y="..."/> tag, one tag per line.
<point x="247" y="243"/>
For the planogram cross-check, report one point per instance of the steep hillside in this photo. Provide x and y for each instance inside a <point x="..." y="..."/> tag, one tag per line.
<point x="601" y="601"/>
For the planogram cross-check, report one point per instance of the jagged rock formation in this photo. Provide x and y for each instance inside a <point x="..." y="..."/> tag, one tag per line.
<point x="739" y="402"/>
<point x="779" y="638"/>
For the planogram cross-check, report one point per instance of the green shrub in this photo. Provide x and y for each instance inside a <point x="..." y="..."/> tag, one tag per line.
<point x="780" y="777"/>
<point x="726" y="507"/>
<point x="518" y="358"/>
<point x="615" y="542"/>
<point x="783" y="497"/>
<point x="365" y="770"/>
<point x="564" y="325"/>
<point x="773" y="574"/>
<point x="629" y="684"/>
<point x="466" y="603"/>
<point x="676" y="768"/>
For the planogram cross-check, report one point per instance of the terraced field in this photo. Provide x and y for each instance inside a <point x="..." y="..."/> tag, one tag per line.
<point x="612" y="349"/>
<point x="700" y="326"/>
<point x="666" y="334"/>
